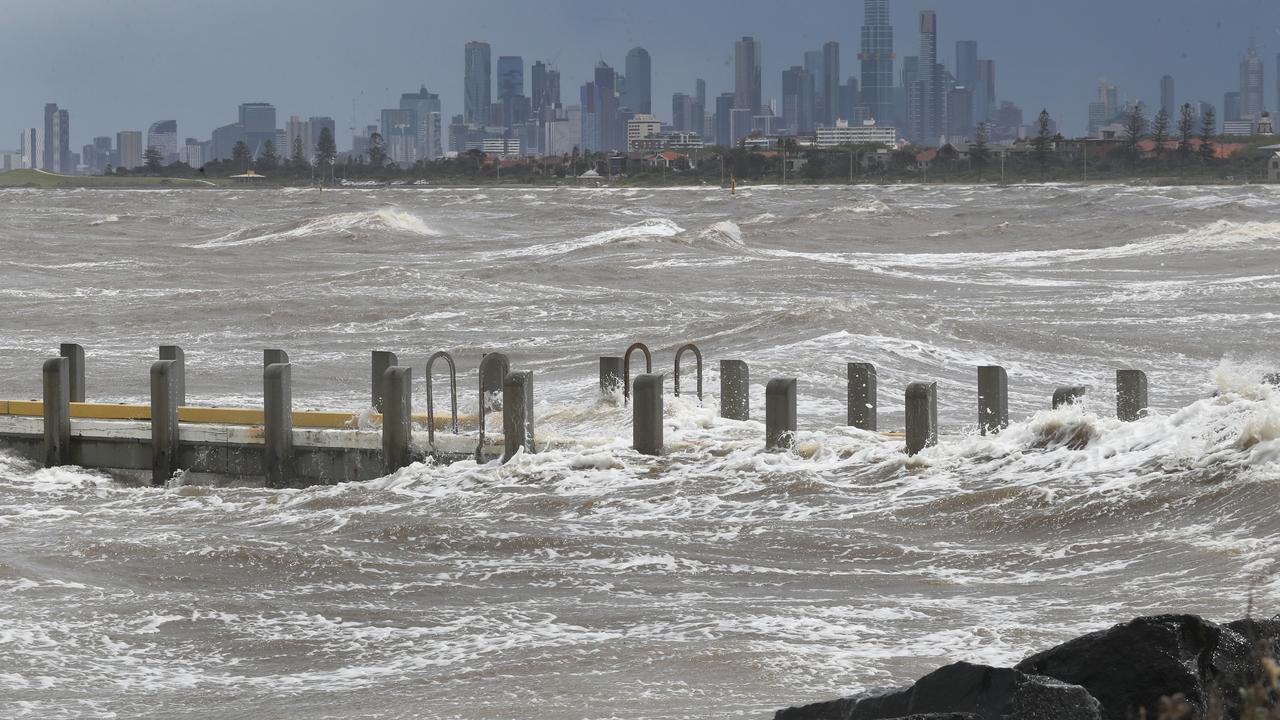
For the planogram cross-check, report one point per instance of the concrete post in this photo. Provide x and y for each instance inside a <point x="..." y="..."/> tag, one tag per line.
<point x="382" y="360"/>
<point x="1068" y="394"/>
<point x="57" y="412"/>
<point x="165" y="389"/>
<point x="173" y="352"/>
<point x="610" y="375"/>
<point x="277" y="424"/>
<point x="863" y="396"/>
<point x="646" y="414"/>
<point x="735" y="390"/>
<point x="517" y="413"/>
<point x="75" y="369"/>
<point x="1131" y="395"/>
<point x="780" y="414"/>
<point x="993" y="399"/>
<point x="273" y="357"/>
<point x="493" y="372"/>
<point x="922" y="416"/>
<point x="397" y="418"/>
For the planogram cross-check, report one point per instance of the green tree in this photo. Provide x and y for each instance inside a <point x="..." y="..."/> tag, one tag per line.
<point x="152" y="159"/>
<point x="240" y="155"/>
<point x="1134" y="126"/>
<point x="1208" y="128"/>
<point x="326" y="152"/>
<point x="1042" y="143"/>
<point x="1160" y="132"/>
<point x="1186" y="131"/>
<point x="268" y="160"/>
<point x="979" y="151"/>
<point x="297" y="157"/>
<point x="377" y="152"/>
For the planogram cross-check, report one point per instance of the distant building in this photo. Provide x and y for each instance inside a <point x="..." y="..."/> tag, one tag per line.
<point x="746" y="72"/>
<point x="258" y="123"/>
<point x="1251" y="85"/>
<point x="224" y="141"/>
<point x="57" y="140"/>
<point x="984" y="92"/>
<point x="297" y="132"/>
<point x="929" y="125"/>
<point x="724" y="106"/>
<point x="163" y="136"/>
<point x="1273" y="168"/>
<point x="741" y="120"/>
<point x="639" y="91"/>
<point x="31" y="147"/>
<point x="501" y="146"/>
<point x="129" y="148"/>
<point x="967" y="63"/>
<point x="318" y="124"/>
<point x="477" y="83"/>
<point x="1231" y="108"/>
<point x="1167" y="101"/>
<point x="101" y="153"/>
<point x="960" y="120"/>
<point x="682" y="113"/>
<point x="1238" y="127"/>
<point x="192" y="153"/>
<point x="642" y="127"/>
<point x="564" y="133"/>
<point x="797" y="100"/>
<point x="866" y="133"/>
<point x="877" y="60"/>
<point x="830" y="81"/>
<point x="1265" y="126"/>
<point x="399" y="137"/>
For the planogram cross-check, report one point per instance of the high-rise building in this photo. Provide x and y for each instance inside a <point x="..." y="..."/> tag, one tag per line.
<point x="297" y="132"/>
<point x="830" y="79"/>
<point x="877" y="61"/>
<point x="537" y="87"/>
<point x="700" y="113"/>
<point x="1231" y="107"/>
<point x="611" y="125"/>
<point x="163" y="136"/>
<point x="929" y="127"/>
<point x="31" y="145"/>
<point x="192" y="153"/>
<point x="258" y="122"/>
<point x="639" y="87"/>
<point x="967" y="64"/>
<point x="797" y="100"/>
<point x="984" y="91"/>
<point x="723" y="126"/>
<point x="747" y="90"/>
<point x="399" y="136"/>
<point x="908" y="116"/>
<point x="101" y="153"/>
<point x="1167" y="101"/>
<point x="56" y="153"/>
<point x="741" y="121"/>
<point x="129" y="149"/>
<point x="510" y="76"/>
<point x="849" y="102"/>
<point x="477" y="84"/>
<point x="960" y="122"/>
<point x="682" y="113"/>
<point x="318" y="125"/>
<point x="423" y="104"/>
<point x="1252" y="103"/>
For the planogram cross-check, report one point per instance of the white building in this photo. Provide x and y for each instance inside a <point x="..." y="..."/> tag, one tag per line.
<point x="565" y="132"/>
<point x="501" y="146"/>
<point x="641" y="127"/>
<point x="867" y="133"/>
<point x="192" y="153"/>
<point x="1238" y="127"/>
<point x="30" y="146"/>
<point x="297" y="129"/>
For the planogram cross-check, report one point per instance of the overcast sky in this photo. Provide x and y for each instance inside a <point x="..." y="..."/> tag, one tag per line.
<point x="123" y="64"/>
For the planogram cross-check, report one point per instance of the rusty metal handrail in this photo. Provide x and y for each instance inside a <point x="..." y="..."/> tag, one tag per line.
<point x="505" y="364"/>
<point x="626" y="368"/>
<point x="453" y="395"/>
<point x="697" y="354"/>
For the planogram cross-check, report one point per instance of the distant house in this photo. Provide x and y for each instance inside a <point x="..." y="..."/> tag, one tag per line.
<point x="248" y="178"/>
<point x="668" y="159"/>
<point x="1273" y="168"/>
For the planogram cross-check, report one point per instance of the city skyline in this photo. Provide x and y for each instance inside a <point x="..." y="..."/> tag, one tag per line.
<point x="669" y="74"/>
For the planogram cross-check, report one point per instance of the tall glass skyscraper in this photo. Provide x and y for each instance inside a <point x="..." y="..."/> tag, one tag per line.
<point x="477" y="84"/>
<point x="877" y="61"/>
<point x="1251" y="85"/>
<point x="746" y="72"/>
<point x="639" y="89"/>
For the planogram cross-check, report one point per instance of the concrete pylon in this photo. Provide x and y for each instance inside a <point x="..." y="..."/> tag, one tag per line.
<point x="57" y="411"/>
<point x="165" y="399"/>
<point x="780" y="414"/>
<point x="863" y="396"/>
<point x="922" y="416"/>
<point x="646" y="414"/>
<point x="277" y="425"/>
<point x="75" y="369"/>
<point x="993" y="399"/>
<point x="735" y="390"/>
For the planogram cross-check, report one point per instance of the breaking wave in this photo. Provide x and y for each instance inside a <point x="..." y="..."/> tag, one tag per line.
<point x="349" y="226"/>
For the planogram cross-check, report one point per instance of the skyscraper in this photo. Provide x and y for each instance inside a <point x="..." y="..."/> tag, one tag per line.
<point x="399" y="136"/>
<point x="967" y="63"/>
<point x="877" y="60"/>
<point x="612" y="128"/>
<point x="830" y="83"/>
<point x="700" y="113"/>
<point x="318" y="125"/>
<point x="746" y="74"/>
<point x="984" y="91"/>
<point x="129" y="148"/>
<point x="423" y="104"/>
<point x="1167" y="101"/>
<point x="724" y="118"/>
<point x="56" y="153"/>
<point x="929" y="126"/>
<point x="682" y="113"/>
<point x="537" y="86"/>
<point x="32" y="148"/>
<point x="639" y="88"/>
<point x="477" y="84"/>
<point x="1252" y="103"/>
<point x="258" y="123"/>
<point x="1231" y="111"/>
<point x="797" y="100"/>
<point x="297" y="132"/>
<point x="510" y="76"/>
<point x="163" y="136"/>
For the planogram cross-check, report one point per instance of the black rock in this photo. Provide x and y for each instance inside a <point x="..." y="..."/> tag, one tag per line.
<point x="1130" y="667"/>
<point x="964" y="691"/>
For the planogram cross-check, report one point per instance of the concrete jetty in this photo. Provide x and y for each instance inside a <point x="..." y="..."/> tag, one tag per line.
<point x="280" y="446"/>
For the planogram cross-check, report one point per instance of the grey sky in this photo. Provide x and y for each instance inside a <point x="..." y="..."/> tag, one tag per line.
<point x="124" y="64"/>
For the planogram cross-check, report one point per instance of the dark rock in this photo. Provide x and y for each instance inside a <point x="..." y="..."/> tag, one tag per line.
<point x="1129" y="667"/>
<point x="942" y="716"/>
<point x="830" y="710"/>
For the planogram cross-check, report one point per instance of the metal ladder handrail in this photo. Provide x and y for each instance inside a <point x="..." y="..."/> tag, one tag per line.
<point x="485" y="361"/>
<point x="453" y="395"/>
<point x="697" y="354"/>
<point x="626" y="368"/>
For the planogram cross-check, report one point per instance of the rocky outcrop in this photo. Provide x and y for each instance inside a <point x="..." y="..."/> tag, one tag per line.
<point x="1113" y="674"/>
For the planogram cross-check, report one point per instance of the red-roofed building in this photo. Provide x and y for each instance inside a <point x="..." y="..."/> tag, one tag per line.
<point x="1222" y="151"/>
